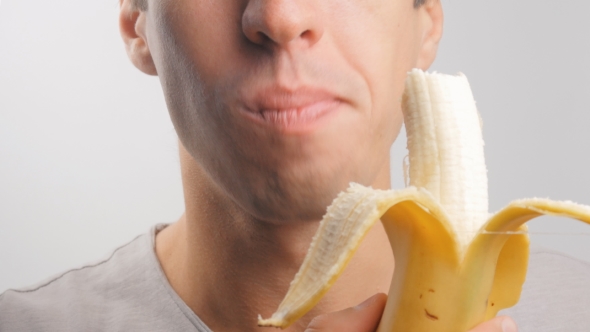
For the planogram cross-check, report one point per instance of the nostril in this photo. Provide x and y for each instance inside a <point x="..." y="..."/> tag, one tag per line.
<point x="312" y="36"/>
<point x="262" y="38"/>
<point x="307" y="34"/>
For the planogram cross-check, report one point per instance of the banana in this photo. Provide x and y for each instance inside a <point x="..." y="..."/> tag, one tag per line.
<point x="455" y="264"/>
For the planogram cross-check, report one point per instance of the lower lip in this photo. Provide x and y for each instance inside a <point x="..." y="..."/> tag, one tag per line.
<point x="296" y="120"/>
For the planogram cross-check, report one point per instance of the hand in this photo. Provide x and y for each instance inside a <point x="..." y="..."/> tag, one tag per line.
<point x="365" y="318"/>
<point x="497" y="324"/>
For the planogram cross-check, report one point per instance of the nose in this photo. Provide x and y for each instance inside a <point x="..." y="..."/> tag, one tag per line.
<point x="283" y="22"/>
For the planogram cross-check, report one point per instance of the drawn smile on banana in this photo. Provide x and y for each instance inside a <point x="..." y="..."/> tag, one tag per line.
<point x="450" y="273"/>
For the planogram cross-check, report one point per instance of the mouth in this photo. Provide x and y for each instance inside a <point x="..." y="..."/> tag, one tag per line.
<point x="291" y="111"/>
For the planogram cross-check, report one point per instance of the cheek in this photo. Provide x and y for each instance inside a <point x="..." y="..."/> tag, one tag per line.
<point x="190" y="45"/>
<point x="383" y="51"/>
<point x="382" y="47"/>
<point x="201" y="34"/>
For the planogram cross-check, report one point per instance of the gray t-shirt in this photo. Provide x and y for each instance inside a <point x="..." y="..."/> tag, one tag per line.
<point x="128" y="291"/>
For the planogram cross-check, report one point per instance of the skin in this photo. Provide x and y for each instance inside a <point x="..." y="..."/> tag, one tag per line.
<point x="254" y="192"/>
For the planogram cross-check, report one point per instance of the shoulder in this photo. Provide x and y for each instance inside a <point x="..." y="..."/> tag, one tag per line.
<point x="124" y="291"/>
<point x="556" y="294"/>
<point x="58" y="301"/>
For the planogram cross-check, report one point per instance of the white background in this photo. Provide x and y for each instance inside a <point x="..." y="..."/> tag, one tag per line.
<point x="88" y="156"/>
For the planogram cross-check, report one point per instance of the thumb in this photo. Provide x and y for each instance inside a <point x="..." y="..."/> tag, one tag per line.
<point x="363" y="318"/>
<point x="498" y="324"/>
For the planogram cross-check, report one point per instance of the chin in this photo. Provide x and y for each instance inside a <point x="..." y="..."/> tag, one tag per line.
<point x="280" y="199"/>
<point x="292" y="205"/>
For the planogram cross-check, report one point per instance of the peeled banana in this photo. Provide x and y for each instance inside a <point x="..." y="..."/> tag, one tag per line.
<point x="455" y="264"/>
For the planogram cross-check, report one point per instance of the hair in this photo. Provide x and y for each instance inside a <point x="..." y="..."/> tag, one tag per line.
<point x="417" y="3"/>
<point x="142" y="4"/>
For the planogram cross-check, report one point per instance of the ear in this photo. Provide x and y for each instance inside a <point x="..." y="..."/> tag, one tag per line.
<point x="431" y="17"/>
<point x="132" y="25"/>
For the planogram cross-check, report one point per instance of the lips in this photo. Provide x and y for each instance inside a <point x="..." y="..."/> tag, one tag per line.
<point x="298" y="115"/>
<point x="295" y="111"/>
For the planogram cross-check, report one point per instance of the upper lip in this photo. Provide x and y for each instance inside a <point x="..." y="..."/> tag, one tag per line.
<point x="277" y="98"/>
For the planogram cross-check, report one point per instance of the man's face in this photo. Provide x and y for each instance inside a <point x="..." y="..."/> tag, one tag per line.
<point x="284" y="102"/>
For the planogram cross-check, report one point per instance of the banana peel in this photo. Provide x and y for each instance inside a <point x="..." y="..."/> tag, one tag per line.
<point x="436" y="285"/>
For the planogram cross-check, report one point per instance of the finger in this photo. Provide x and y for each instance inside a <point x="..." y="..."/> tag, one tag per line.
<point x="363" y="318"/>
<point x="498" y="324"/>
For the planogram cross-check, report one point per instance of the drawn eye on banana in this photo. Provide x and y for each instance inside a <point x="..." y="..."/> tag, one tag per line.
<point x="455" y="264"/>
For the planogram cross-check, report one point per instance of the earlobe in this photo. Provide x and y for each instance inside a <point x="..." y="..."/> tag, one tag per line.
<point x="432" y="27"/>
<point x="132" y="25"/>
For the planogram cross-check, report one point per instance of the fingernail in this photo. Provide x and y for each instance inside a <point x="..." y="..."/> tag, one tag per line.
<point x="508" y="325"/>
<point x="366" y="303"/>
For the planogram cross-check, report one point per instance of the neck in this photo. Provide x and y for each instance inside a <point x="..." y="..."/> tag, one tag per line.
<point x="229" y="267"/>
